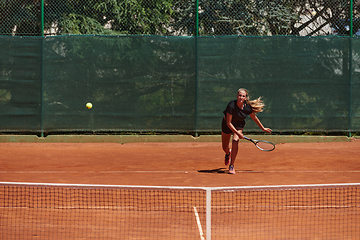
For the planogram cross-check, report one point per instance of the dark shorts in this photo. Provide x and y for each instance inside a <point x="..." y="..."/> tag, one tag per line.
<point x="227" y="130"/>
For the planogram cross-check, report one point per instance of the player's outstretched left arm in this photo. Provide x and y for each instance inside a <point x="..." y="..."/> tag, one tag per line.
<point x="257" y="121"/>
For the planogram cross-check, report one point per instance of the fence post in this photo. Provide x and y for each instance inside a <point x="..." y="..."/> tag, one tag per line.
<point x="42" y="88"/>
<point x="42" y="18"/>
<point x="350" y="64"/>
<point x="351" y="18"/>
<point x="42" y="72"/>
<point x="350" y="84"/>
<point x="196" y="65"/>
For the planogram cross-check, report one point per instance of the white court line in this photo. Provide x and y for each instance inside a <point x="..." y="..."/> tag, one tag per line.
<point x="239" y="171"/>
<point x="199" y="224"/>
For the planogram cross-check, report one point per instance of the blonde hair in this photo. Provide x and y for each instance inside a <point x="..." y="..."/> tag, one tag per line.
<point x="256" y="105"/>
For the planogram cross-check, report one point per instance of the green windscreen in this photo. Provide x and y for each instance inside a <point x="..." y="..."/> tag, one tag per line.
<point x="177" y="84"/>
<point x="20" y="84"/>
<point x="134" y="83"/>
<point x="304" y="82"/>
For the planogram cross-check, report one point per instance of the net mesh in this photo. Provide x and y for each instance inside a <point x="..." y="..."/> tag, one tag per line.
<point x="118" y="212"/>
<point x="98" y="213"/>
<point x="287" y="213"/>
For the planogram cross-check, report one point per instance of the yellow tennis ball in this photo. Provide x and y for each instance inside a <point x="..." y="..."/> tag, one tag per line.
<point x="89" y="105"/>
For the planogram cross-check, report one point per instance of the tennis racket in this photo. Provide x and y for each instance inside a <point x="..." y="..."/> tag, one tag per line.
<point x="262" y="144"/>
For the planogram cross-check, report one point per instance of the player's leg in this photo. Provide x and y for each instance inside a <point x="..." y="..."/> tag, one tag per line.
<point x="234" y="152"/>
<point x="225" y="138"/>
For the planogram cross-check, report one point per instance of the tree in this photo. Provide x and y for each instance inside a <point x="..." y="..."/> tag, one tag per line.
<point x="20" y="17"/>
<point x="262" y="17"/>
<point x="177" y="17"/>
<point x="110" y="17"/>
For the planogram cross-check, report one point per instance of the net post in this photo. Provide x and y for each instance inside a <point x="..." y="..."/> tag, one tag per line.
<point x="208" y="213"/>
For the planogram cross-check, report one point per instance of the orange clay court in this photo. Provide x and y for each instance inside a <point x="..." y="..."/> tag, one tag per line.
<point x="197" y="164"/>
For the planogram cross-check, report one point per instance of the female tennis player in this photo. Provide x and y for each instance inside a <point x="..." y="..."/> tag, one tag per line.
<point x="234" y="121"/>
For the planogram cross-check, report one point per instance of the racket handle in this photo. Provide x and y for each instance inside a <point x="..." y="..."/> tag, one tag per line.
<point x="246" y="138"/>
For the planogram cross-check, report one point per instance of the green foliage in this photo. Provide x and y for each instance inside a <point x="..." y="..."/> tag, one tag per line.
<point x="20" y="17"/>
<point x="238" y="17"/>
<point x="5" y="96"/>
<point x="80" y="24"/>
<point x="116" y="17"/>
<point x="110" y="17"/>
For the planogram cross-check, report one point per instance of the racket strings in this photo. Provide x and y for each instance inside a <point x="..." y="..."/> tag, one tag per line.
<point x="266" y="146"/>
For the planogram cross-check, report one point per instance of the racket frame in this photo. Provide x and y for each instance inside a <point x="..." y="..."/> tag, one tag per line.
<point x="257" y="141"/>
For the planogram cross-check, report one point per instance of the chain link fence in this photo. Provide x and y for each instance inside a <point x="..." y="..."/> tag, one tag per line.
<point x="180" y="17"/>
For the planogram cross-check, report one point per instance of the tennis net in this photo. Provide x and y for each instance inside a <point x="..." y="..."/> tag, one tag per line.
<point x="69" y="211"/>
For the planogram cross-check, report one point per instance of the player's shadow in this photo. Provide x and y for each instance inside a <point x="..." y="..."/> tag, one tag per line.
<point x="217" y="170"/>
